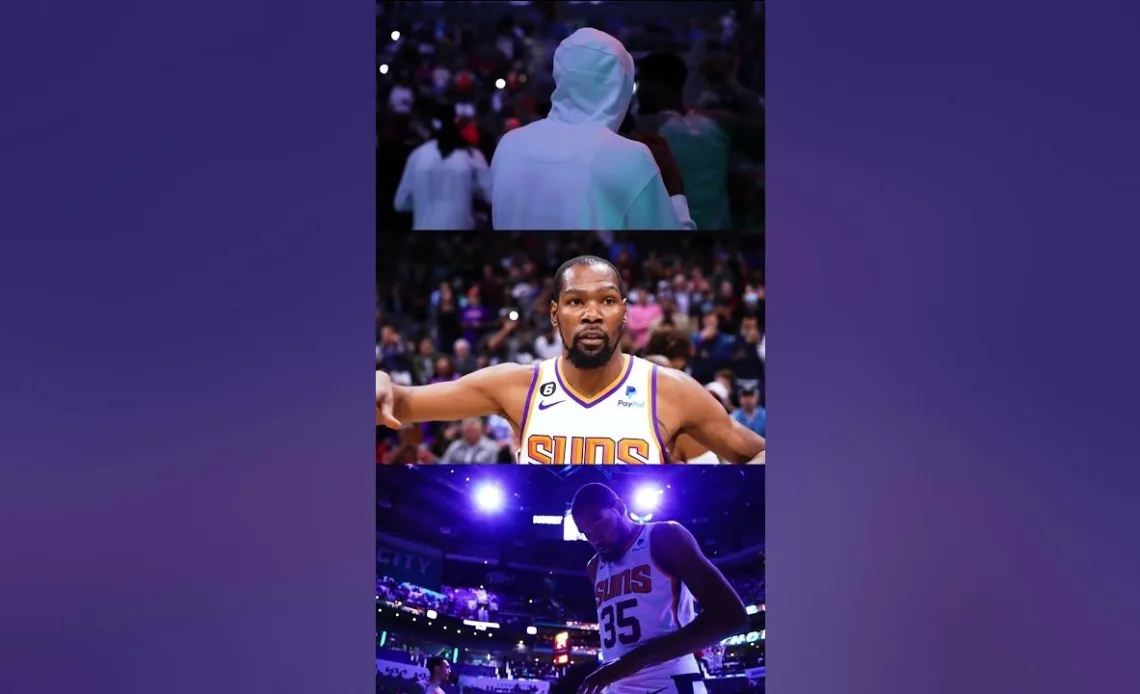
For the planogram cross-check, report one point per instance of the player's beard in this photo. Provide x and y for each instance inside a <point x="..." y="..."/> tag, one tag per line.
<point x="582" y="359"/>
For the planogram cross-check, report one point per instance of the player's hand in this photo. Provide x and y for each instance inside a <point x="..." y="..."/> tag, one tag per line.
<point x="607" y="674"/>
<point x="659" y="147"/>
<point x="385" y="401"/>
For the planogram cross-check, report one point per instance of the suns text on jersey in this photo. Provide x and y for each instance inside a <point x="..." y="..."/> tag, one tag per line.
<point x="587" y="450"/>
<point x="639" y="579"/>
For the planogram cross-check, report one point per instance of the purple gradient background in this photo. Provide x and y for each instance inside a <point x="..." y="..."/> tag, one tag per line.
<point x="186" y="206"/>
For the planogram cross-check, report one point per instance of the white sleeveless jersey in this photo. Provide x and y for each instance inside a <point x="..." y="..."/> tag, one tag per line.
<point x="638" y="602"/>
<point x="619" y="426"/>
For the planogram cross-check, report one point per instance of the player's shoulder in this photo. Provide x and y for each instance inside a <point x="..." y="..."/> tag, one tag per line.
<point x="667" y="530"/>
<point x="668" y="538"/>
<point x="673" y="381"/>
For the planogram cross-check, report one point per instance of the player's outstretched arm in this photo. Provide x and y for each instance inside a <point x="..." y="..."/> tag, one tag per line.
<point x="706" y="421"/>
<point x="474" y="395"/>
<point x="675" y="551"/>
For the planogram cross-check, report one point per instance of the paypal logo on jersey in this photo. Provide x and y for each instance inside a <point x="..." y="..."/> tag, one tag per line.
<point x="633" y="399"/>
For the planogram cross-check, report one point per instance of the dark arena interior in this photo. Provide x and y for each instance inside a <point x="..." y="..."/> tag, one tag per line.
<point x="480" y="565"/>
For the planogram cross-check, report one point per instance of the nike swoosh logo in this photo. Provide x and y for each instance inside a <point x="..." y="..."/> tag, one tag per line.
<point x="545" y="406"/>
<point x="658" y="690"/>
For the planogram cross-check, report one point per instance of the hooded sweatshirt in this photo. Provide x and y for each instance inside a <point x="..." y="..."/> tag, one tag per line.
<point x="571" y="170"/>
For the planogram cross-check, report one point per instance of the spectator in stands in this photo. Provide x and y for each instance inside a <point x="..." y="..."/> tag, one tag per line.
<point x="442" y="178"/>
<point x="409" y="450"/>
<point x="714" y="349"/>
<point x="448" y="324"/>
<point x="444" y="370"/>
<point x="750" y="414"/>
<point x="749" y="364"/>
<point x="640" y="316"/>
<point x="702" y="142"/>
<point x="473" y="447"/>
<point x="423" y="366"/>
<point x="548" y="344"/>
<point x="722" y="387"/>
<point x="475" y="317"/>
<point x="439" y="672"/>
<point x="464" y="362"/>
<point x="572" y="170"/>
<point x="671" y="316"/>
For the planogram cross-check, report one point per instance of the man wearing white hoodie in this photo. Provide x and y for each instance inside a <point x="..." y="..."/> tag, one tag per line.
<point x="571" y="170"/>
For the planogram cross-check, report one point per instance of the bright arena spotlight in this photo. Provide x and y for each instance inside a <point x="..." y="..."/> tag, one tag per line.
<point x="646" y="499"/>
<point x="488" y="497"/>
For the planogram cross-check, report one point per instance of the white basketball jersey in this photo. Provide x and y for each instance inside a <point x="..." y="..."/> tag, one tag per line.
<point x="619" y="426"/>
<point x="638" y="602"/>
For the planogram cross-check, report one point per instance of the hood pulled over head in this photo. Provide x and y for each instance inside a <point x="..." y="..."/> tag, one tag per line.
<point x="593" y="77"/>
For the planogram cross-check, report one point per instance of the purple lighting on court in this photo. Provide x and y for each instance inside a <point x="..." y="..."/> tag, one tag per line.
<point x="488" y="497"/>
<point x="646" y="499"/>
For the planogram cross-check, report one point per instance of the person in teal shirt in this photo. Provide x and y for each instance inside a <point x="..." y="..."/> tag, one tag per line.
<point x="704" y="142"/>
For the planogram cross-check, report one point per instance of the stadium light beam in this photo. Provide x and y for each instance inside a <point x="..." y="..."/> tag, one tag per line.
<point x="489" y="497"/>
<point x="646" y="499"/>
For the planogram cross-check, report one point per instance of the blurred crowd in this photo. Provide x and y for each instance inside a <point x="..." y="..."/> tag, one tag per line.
<point x="697" y="301"/>
<point x="452" y="602"/>
<point x="750" y="590"/>
<point x="486" y="68"/>
<point x="463" y="603"/>
<point x="399" y="650"/>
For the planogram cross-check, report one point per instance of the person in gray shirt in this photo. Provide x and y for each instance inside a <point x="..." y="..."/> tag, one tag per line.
<point x="473" y="446"/>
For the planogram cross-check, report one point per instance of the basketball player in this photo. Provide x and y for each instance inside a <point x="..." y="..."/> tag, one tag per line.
<point x="646" y="580"/>
<point x="592" y="405"/>
<point x="439" y="671"/>
<point x="673" y="348"/>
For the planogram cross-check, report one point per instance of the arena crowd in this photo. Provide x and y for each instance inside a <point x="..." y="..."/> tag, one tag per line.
<point x="465" y="73"/>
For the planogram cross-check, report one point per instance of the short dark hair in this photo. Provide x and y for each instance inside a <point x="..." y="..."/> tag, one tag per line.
<point x="585" y="260"/>
<point x="670" y="343"/>
<point x="433" y="663"/>
<point x="667" y="68"/>
<point x="594" y="495"/>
